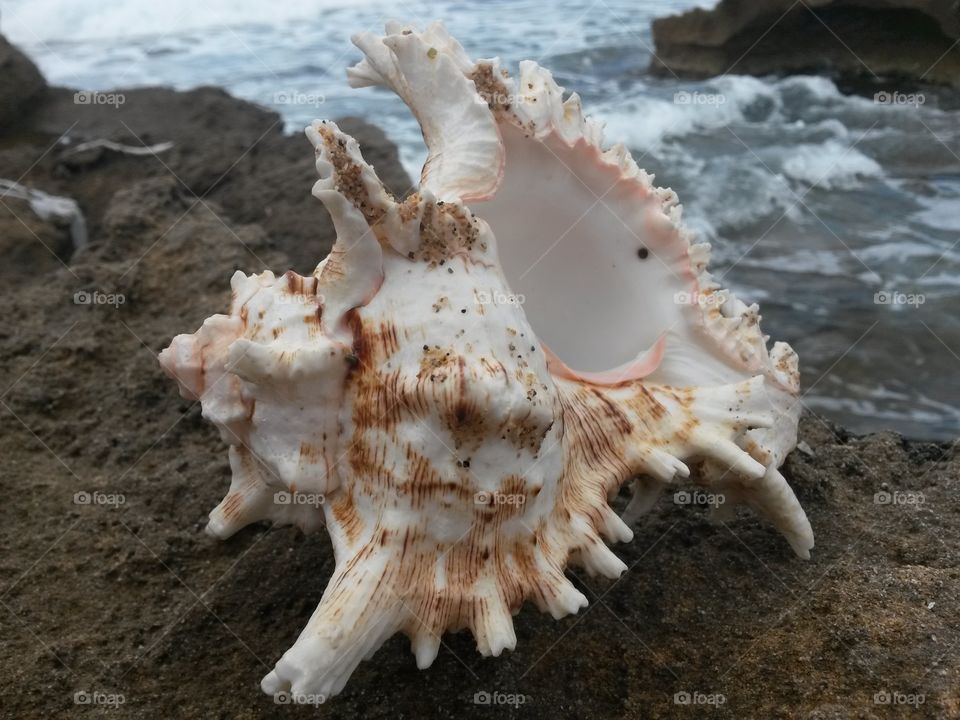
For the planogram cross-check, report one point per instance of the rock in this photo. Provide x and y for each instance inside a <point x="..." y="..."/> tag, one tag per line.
<point x="30" y="245"/>
<point x="20" y="84"/>
<point x="225" y="151"/>
<point x="62" y="211"/>
<point x="874" y="39"/>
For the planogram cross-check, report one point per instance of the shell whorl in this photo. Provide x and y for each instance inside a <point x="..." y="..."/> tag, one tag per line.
<point x="457" y="463"/>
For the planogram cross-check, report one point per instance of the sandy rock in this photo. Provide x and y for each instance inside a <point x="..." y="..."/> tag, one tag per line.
<point x="29" y="244"/>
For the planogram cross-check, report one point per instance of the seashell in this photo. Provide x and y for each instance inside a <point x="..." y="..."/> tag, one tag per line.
<point x="470" y="376"/>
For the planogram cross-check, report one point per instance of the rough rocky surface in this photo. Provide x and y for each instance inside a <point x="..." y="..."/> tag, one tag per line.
<point x="229" y="153"/>
<point x="911" y="40"/>
<point x="101" y="598"/>
<point x="20" y="83"/>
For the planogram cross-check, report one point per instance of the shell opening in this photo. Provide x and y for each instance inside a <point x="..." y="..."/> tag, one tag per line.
<point x="589" y="252"/>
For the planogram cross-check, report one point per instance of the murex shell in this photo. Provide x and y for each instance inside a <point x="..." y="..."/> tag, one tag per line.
<point x="404" y="396"/>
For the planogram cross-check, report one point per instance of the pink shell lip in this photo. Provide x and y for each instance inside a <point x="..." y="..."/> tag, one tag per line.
<point x="636" y="369"/>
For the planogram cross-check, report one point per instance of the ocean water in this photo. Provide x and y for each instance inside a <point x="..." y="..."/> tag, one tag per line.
<point x="839" y="213"/>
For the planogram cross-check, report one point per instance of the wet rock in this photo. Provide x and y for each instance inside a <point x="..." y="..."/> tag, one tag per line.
<point x="907" y="40"/>
<point x="20" y="84"/>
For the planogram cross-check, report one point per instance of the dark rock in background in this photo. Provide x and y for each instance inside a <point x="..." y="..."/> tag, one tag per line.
<point x="20" y="83"/>
<point x="224" y="151"/>
<point x="912" y="40"/>
<point x="30" y="246"/>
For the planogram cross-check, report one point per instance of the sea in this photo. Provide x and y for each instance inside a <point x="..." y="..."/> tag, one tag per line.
<point x="836" y="208"/>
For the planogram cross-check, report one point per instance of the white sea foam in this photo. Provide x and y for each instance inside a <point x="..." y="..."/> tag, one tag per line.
<point x="900" y="250"/>
<point x="830" y="165"/>
<point x="31" y="21"/>
<point x="834" y="263"/>
<point x="944" y="279"/>
<point x="887" y="410"/>
<point x="939" y="212"/>
<point x="812" y="87"/>
<point x="644" y="121"/>
<point x="760" y="194"/>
